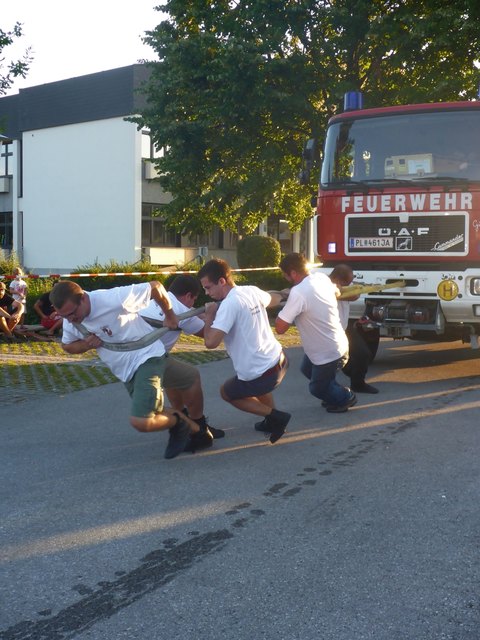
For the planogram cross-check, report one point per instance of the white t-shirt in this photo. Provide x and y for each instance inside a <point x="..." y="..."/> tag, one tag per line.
<point x="191" y="326"/>
<point x="18" y="290"/>
<point x="249" y="339"/>
<point x="343" y="312"/>
<point x="312" y="305"/>
<point x="114" y="317"/>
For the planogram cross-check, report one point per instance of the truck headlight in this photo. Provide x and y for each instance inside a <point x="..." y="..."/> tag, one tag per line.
<point x="475" y="286"/>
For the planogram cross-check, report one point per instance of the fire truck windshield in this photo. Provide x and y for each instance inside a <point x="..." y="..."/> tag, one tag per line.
<point x="434" y="146"/>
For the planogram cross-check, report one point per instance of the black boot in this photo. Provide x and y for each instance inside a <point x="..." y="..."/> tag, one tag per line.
<point x="277" y="424"/>
<point x="203" y="424"/>
<point x="179" y="438"/>
<point x="202" y="439"/>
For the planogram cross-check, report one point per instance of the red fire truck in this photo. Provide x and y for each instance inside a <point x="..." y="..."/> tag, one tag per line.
<point x="399" y="200"/>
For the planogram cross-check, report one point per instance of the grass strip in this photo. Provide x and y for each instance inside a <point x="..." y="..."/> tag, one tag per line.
<point x="43" y="367"/>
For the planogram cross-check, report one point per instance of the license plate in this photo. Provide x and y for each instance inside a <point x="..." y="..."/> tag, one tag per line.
<point x="370" y="243"/>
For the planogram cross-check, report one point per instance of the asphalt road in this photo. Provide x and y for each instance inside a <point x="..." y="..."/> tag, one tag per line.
<point x="354" y="526"/>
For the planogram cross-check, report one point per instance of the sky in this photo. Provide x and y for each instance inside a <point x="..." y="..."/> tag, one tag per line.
<point x="70" y="39"/>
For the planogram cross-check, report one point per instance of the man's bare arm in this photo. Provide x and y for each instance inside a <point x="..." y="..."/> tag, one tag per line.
<point x="78" y="346"/>
<point x="159" y="294"/>
<point x="211" y="337"/>
<point x="281" y="326"/>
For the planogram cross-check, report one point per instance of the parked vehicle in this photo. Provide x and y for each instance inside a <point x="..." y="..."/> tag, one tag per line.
<point x="399" y="201"/>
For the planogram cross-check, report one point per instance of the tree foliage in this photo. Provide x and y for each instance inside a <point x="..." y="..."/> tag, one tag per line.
<point x="13" y="69"/>
<point x="240" y="84"/>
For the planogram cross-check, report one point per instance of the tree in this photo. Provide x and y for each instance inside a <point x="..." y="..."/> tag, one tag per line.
<point x="15" y="68"/>
<point x="239" y="85"/>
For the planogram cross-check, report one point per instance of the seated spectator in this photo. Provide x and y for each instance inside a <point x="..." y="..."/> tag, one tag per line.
<point x="18" y="290"/>
<point x="49" y="318"/>
<point x="10" y="313"/>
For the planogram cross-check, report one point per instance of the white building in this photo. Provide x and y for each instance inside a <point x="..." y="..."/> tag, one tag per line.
<point x="76" y="179"/>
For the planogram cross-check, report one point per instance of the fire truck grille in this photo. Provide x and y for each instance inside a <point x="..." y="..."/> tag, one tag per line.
<point x="412" y="234"/>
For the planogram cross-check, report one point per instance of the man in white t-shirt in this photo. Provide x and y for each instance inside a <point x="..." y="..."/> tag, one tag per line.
<point x="312" y="305"/>
<point x="241" y="322"/>
<point x="93" y="319"/>
<point x="361" y="351"/>
<point x="183" y="293"/>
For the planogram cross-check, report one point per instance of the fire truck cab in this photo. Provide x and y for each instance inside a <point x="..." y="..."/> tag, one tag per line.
<point x="399" y="200"/>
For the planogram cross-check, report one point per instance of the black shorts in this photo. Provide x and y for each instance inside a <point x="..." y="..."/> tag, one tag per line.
<point x="236" y="389"/>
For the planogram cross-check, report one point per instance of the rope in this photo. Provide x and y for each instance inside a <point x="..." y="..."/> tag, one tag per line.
<point x="145" y="341"/>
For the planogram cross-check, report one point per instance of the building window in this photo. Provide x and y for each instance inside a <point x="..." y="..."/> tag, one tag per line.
<point x="6" y="165"/>
<point x="230" y="239"/>
<point x="216" y="239"/>
<point x="204" y="239"/>
<point x="154" y="231"/>
<point x="279" y="229"/>
<point x="6" y="230"/>
<point x="149" y="151"/>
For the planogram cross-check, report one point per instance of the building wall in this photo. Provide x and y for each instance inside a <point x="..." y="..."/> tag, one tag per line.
<point x="82" y="195"/>
<point x="75" y="187"/>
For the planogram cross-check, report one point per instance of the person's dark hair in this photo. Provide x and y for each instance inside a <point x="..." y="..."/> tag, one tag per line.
<point x="215" y="269"/>
<point x="64" y="291"/>
<point x="183" y="284"/>
<point x="341" y="274"/>
<point x="294" y="262"/>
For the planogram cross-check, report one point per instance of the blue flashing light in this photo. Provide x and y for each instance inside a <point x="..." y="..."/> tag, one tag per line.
<point x="353" y="100"/>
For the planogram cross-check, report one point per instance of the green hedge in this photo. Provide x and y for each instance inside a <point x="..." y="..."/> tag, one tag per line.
<point x="258" y="251"/>
<point x="269" y="279"/>
<point x="38" y="286"/>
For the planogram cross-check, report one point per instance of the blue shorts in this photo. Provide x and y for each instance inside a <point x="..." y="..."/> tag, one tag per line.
<point x="236" y="389"/>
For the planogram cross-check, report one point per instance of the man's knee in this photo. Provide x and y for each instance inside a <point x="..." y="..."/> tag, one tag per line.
<point x="223" y="394"/>
<point x="140" y="424"/>
<point x="306" y="369"/>
<point x="318" y="391"/>
<point x="196" y="382"/>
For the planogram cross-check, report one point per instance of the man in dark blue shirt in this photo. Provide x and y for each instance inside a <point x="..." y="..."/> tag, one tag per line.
<point x="10" y="313"/>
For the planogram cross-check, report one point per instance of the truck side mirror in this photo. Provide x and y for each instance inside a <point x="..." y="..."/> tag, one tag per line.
<point x="304" y="176"/>
<point x="310" y="152"/>
<point x="309" y="156"/>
